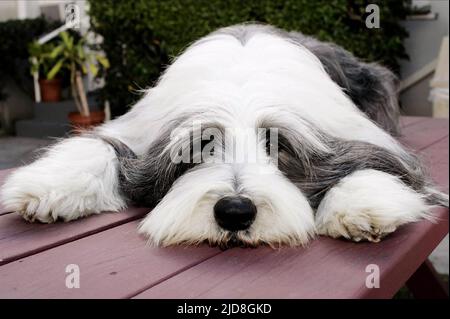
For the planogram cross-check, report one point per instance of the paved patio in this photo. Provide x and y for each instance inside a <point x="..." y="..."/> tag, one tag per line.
<point x="17" y="151"/>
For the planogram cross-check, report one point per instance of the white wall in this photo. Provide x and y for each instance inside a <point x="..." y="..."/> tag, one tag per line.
<point x="18" y="9"/>
<point x="8" y="10"/>
<point x="423" y="46"/>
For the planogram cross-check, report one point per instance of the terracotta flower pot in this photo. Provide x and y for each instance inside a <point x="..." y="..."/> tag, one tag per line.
<point x="82" y="123"/>
<point x="50" y="90"/>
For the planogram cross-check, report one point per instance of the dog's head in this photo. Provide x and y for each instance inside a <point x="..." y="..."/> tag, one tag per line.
<point x="226" y="180"/>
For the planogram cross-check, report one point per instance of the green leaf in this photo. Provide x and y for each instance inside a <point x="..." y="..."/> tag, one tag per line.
<point x="34" y="48"/>
<point x="103" y="61"/>
<point x="93" y="69"/>
<point x="64" y="36"/>
<point x="83" y="67"/>
<point x="55" y="69"/>
<point x="67" y="39"/>
<point x="56" y="51"/>
<point x="80" y="52"/>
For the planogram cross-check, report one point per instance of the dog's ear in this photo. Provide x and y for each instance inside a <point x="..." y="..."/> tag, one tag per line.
<point x="315" y="171"/>
<point x="144" y="180"/>
<point x="372" y="87"/>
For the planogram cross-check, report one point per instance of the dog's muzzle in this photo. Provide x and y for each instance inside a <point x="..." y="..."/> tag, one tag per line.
<point x="234" y="213"/>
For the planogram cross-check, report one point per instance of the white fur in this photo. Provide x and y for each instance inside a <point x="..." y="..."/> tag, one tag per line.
<point x="242" y="84"/>
<point x="77" y="177"/>
<point x="368" y="205"/>
<point x="185" y="214"/>
<point x="238" y="86"/>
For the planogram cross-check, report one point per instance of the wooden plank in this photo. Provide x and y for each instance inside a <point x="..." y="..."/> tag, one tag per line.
<point x="432" y="147"/>
<point x="19" y="238"/>
<point x="3" y="175"/>
<point x="424" y="133"/>
<point x="115" y="263"/>
<point x="328" y="268"/>
<point x="406" y="121"/>
<point x="436" y="157"/>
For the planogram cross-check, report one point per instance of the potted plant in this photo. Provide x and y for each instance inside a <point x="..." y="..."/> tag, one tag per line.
<point x="42" y="59"/>
<point x="71" y="55"/>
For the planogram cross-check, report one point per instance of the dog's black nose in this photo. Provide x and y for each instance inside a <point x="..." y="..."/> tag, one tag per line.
<point x="234" y="213"/>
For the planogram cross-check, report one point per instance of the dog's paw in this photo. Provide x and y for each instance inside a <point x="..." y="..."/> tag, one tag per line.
<point x="368" y="205"/>
<point x="363" y="225"/>
<point x="32" y="206"/>
<point x="43" y="193"/>
<point x="46" y="198"/>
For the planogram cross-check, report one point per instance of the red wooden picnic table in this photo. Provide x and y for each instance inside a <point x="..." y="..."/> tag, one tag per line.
<point x="115" y="262"/>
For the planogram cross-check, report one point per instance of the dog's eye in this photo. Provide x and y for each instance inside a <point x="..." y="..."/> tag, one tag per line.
<point x="276" y="143"/>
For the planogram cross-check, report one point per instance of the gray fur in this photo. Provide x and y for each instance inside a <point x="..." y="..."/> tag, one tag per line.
<point x="145" y="180"/>
<point x="315" y="171"/>
<point x="372" y="87"/>
<point x="244" y="32"/>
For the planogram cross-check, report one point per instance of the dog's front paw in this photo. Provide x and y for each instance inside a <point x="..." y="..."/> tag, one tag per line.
<point x="33" y="206"/>
<point x="368" y="205"/>
<point x="41" y="195"/>
<point x="356" y="226"/>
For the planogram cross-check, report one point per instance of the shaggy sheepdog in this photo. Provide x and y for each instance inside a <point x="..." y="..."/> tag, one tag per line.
<point x="252" y="136"/>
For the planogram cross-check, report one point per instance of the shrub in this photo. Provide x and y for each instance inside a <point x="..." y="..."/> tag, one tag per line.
<point x="15" y="36"/>
<point x="141" y="35"/>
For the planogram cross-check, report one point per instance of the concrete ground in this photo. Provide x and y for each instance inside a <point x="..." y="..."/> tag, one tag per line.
<point x="16" y="151"/>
